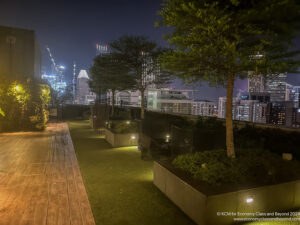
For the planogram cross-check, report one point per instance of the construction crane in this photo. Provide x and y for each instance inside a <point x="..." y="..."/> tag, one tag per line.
<point x="58" y="69"/>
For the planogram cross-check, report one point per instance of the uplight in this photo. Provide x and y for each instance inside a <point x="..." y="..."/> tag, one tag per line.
<point x="249" y="200"/>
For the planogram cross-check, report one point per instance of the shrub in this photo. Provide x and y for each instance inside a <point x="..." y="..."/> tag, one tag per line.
<point x="250" y="166"/>
<point x="23" y="105"/>
<point x="123" y="126"/>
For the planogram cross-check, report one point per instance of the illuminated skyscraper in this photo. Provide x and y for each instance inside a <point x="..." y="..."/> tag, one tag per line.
<point x="84" y="95"/>
<point x="255" y="83"/>
<point x="293" y="94"/>
<point x="281" y="113"/>
<point x="101" y="49"/>
<point x="275" y="85"/>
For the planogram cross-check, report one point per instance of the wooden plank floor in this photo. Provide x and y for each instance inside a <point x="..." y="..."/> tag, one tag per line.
<point x="40" y="180"/>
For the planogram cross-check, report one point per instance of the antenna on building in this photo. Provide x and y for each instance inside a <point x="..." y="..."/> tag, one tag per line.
<point x="74" y="82"/>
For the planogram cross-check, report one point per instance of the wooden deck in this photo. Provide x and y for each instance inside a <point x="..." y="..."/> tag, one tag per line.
<point x="40" y="180"/>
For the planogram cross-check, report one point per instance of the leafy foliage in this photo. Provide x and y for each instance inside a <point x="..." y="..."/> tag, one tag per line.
<point x="23" y="105"/>
<point x="142" y="58"/>
<point x="2" y="113"/>
<point x="123" y="126"/>
<point x="110" y="73"/>
<point x="61" y="98"/>
<point x="252" y="166"/>
<point x="217" y="41"/>
<point x="213" y="38"/>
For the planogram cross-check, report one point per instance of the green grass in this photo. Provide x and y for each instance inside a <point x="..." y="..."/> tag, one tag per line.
<point x="274" y="223"/>
<point x="119" y="184"/>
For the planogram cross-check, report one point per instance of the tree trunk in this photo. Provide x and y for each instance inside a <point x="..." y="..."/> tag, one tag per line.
<point x="229" y="123"/>
<point x="113" y="103"/>
<point x="142" y="104"/>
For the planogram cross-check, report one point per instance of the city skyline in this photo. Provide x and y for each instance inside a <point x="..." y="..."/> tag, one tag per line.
<point x="74" y="31"/>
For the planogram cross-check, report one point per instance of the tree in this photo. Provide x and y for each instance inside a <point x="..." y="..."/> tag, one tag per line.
<point x="142" y="58"/>
<point x="61" y="97"/>
<point x="218" y="41"/>
<point x="110" y="73"/>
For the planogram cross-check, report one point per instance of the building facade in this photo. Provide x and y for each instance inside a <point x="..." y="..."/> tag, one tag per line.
<point x="293" y="94"/>
<point x="84" y="95"/>
<point x="20" y="55"/>
<point x="255" y="83"/>
<point x="245" y="109"/>
<point x="204" y="108"/>
<point x="169" y="100"/>
<point x="275" y="85"/>
<point x="281" y="113"/>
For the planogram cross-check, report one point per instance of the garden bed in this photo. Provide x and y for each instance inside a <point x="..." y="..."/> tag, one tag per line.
<point x="121" y="133"/>
<point x="202" y="201"/>
<point x="121" y="140"/>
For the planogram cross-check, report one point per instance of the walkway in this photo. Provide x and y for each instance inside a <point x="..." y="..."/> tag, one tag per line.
<point x="40" y="180"/>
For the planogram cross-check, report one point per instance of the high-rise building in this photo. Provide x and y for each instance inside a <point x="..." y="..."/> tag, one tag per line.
<point x="151" y="71"/>
<point x="260" y="112"/>
<point x="204" y="108"/>
<point x="281" y="113"/>
<point x="101" y="49"/>
<point x="247" y="109"/>
<point x="293" y="94"/>
<point x="275" y="85"/>
<point x="296" y="118"/>
<point x="169" y="100"/>
<point x="84" y="95"/>
<point x="255" y="83"/>
<point x="260" y="96"/>
<point x="222" y="106"/>
<point x="20" y="55"/>
<point x="57" y="85"/>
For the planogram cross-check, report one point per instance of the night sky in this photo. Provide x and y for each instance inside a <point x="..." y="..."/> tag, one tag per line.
<point x="71" y="29"/>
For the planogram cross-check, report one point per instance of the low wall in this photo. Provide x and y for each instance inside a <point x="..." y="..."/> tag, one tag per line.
<point x="121" y="140"/>
<point x="204" y="209"/>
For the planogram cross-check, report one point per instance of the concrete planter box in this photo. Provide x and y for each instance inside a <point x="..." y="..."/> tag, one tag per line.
<point x="120" y="140"/>
<point x="203" y="208"/>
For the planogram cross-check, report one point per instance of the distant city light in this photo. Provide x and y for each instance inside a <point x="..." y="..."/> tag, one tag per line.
<point x="249" y="200"/>
<point x="62" y="67"/>
<point x="55" y="83"/>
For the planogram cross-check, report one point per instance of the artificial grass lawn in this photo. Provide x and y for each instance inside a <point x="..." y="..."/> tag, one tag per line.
<point x="119" y="184"/>
<point x="274" y="223"/>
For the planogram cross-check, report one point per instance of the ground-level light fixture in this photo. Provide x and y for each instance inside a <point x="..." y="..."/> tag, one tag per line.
<point x="249" y="200"/>
<point x="132" y="137"/>
<point x="127" y="122"/>
<point x="167" y="138"/>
